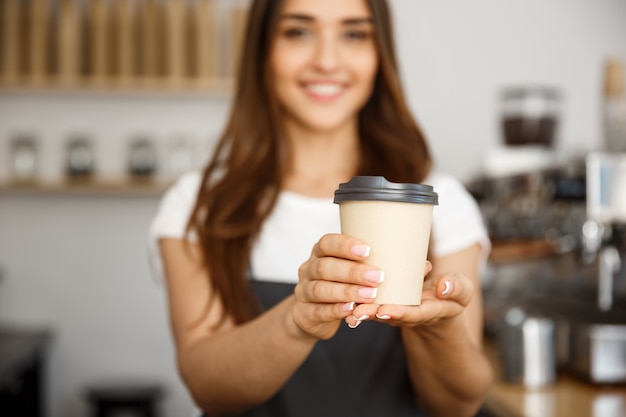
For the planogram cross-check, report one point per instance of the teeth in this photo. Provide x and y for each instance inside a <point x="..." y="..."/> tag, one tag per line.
<point x="324" y="89"/>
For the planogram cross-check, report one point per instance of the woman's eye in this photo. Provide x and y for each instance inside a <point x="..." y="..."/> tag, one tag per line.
<point x="357" y="35"/>
<point x="296" y="33"/>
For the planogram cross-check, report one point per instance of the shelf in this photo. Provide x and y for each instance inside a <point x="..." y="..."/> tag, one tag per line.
<point x="217" y="87"/>
<point x="145" y="46"/>
<point x="121" y="186"/>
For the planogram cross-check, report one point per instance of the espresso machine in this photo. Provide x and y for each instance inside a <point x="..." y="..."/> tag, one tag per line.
<point x="597" y="340"/>
<point x="567" y="312"/>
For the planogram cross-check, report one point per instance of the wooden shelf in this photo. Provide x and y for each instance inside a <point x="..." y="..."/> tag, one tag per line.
<point x="179" y="46"/>
<point x="218" y="87"/>
<point x="95" y="186"/>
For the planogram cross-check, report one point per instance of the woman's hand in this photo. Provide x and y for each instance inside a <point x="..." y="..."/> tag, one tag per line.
<point x="332" y="282"/>
<point x="443" y="297"/>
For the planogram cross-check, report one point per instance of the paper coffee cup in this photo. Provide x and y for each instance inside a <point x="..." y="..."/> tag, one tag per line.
<point x="394" y="219"/>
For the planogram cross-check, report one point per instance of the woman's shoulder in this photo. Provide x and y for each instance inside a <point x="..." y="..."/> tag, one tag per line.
<point x="182" y="192"/>
<point x="447" y="186"/>
<point x="186" y="185"/>
<point x="176" y="205"/>
<point x="441" y="178"/>
<point x="457" y="219"/>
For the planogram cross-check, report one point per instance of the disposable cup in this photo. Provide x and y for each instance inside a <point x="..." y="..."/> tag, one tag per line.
<point x="394" y="219"/>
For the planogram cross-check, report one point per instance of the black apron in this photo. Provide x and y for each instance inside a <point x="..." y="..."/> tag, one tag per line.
<point x="358" y="372"/>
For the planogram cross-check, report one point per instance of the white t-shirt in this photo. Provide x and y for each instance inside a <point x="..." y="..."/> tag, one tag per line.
<point x="297" y="223"/>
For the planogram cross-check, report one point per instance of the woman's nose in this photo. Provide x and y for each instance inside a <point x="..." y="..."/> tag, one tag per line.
<point x="326" y="56"/>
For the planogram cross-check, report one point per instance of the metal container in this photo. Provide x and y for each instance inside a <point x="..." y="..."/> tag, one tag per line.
<point x="527" y="345"/>
<point x="598" y="352"/>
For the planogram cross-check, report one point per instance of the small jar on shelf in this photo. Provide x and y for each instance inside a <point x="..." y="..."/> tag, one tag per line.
<point x="24" y="158"/>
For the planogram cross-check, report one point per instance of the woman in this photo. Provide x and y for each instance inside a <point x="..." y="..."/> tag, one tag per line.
<point x="259" y="278"/>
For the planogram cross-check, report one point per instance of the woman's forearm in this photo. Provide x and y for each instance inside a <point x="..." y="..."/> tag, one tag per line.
<point x="449" y="372"/>
<point x="236" y="369"/>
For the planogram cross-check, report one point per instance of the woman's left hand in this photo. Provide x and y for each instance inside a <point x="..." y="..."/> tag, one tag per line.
<point x="443" y="297"/>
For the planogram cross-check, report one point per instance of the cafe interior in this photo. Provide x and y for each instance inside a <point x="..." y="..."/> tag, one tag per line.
<point x="104" y="103"/>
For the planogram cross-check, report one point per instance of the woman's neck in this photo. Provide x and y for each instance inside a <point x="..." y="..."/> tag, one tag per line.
<point x="321" y="160"/>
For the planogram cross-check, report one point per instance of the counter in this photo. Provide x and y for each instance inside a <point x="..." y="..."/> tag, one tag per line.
<point x="568" y="397"/>
<point x="22" y="368"/>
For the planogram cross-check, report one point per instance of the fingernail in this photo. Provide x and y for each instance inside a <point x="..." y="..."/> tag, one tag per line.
<point x="361" y="317"/>
<point x="368" y="292"/>
<point x="374" y="275"/>
<point x="383" y="316"/>
<point x="348" y="306"/>
<point x="355" y="325"/>
<point x="361" y="250"/>
<point x="448" y="288"/>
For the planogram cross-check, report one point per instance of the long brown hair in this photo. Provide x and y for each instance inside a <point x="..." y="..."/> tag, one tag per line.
<point x="241" y="183"/>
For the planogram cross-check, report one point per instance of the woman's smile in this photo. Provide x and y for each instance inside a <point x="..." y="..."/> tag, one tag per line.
<point x="324" y="91"/>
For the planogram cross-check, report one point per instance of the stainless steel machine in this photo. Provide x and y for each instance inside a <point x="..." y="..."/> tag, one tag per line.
<point x="561" y="310"/>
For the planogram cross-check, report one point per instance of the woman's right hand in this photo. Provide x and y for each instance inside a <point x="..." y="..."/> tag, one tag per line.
<point x="331" y="283"/>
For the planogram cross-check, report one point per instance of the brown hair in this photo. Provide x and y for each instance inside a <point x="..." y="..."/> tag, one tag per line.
<point x="241" y="183"/>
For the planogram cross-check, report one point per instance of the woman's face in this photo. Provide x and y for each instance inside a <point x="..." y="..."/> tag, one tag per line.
<point x="324" y="62"/>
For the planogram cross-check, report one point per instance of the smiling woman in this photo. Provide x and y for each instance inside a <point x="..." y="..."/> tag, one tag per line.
<point x="323" y="65"/>
<point x="272" y="308"/>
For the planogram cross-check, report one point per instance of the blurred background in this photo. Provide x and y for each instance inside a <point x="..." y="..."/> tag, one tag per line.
<point x="104" y="102"/>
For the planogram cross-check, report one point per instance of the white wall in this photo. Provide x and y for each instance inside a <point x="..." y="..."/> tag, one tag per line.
<point x="78" y="262"/>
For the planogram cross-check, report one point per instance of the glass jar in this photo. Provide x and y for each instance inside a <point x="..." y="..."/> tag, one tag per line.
<point x="80" y="158"/>
<point x="24" y="158"/>
<point x="141" y="158"/>
<point x="530" y="116"/>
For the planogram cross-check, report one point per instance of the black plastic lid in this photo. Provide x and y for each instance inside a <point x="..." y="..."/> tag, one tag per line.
<point x="379" y="189"/>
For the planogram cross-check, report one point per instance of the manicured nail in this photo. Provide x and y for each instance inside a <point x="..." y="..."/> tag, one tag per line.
<point x="448" y="288"/>
<point x="374" y="275"/>
<point x="348" y="306"/>
<point x="355" y="325"/>
<point x="368" y="292"/>
<point x="361" y="250"/>
<point x="383" y="316"/>
<point x="361" y="317"/>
